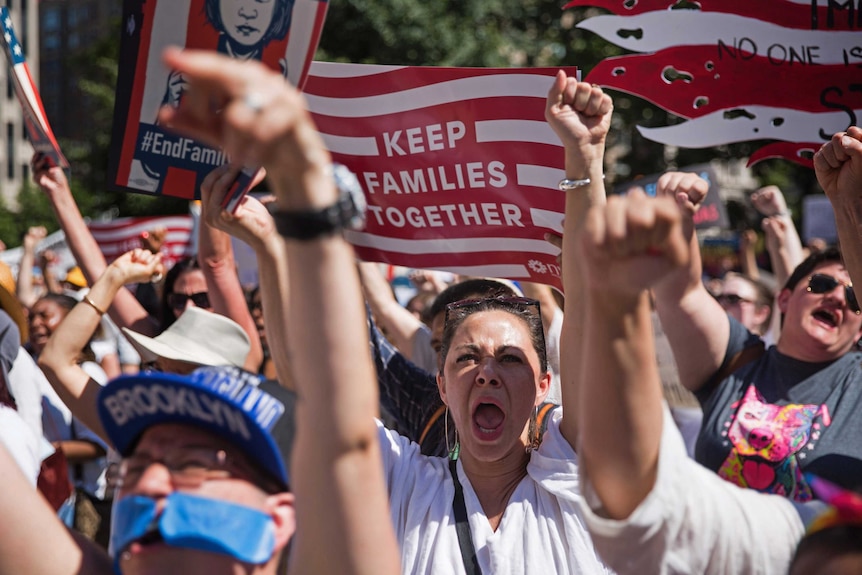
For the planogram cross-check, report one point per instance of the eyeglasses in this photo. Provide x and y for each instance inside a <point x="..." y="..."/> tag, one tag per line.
<point x="732" y="299"/>
<point x="179" y="301"/>
<point x="521" y="306"/>
<point x="190" y="467"/>
<point x="823" y="283"/>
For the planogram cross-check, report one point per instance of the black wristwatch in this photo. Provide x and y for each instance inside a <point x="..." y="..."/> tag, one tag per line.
<point x="346" y="213"/>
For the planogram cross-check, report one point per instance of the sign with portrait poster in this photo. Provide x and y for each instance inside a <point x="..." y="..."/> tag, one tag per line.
<point x="459" y="167"/>
<point x="712" y="212"/>
<point x="737" y="71"/>
<point x="145" y="157"/>
<point x="35" y="120"/>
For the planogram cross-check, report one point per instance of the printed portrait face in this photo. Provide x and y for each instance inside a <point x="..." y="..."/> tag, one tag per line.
<point x="246" y="21"/>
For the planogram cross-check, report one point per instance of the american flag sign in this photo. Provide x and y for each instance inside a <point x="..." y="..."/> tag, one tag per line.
<point x="35" y="120"/>
<point x="459" y="166"/>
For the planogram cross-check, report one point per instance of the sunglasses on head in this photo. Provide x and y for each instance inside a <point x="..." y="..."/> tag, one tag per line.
<point x="732" y="299"/>
<point x="462" y="309"/>
<point x="822" y="283"/>
<point x="179" y="300"/>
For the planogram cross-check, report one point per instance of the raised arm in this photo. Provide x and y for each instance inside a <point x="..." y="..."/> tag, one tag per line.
<point x="580" y="114"/>
<point x="35" y="541"/>
<point x="396" y="321"/>
<point x="696" y="326"/>
<point x="26" y="294"/>
<point x="252" y="223"/>
<point x="782" y="239"/>
<point x="59" y="359"/>
<point x="125" y="311"/>
<point x="838" y="165"/>
<point x="627" y="246"/>
<point x="338" y="476"/>
<point x="215" y="255"/>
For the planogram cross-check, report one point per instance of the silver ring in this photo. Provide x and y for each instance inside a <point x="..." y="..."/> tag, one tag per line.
<point x="254" y="101"/>
<point x="156" y="278"/>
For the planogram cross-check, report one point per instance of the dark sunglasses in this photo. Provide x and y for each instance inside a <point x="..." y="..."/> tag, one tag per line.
<point x="178" y="301"/>
<point x="732" y="299"/>
<point x="822" y="283"/>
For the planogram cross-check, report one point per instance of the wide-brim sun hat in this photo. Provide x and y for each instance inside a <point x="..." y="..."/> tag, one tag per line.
<point x="198" y="337"/>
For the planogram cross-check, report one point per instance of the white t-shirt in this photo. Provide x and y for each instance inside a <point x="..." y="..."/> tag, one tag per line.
<point x="24" y="380"/>
<point x="541" y="531"/>
<point x="694" y="522"/>
<point x="23" y="445"/>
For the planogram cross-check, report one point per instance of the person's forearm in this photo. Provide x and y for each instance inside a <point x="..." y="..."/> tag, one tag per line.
<point x="578" y="203"/>
<point x="696" y="325"/>
<point x="848" y="219"/>
<point x="273" y="279"/>
<point x="748" y="262"/>
<point x="126" y="311"/>
<point x="80" y="451"/>
<point x="59" y="359"/>
<point x="36" y="541"/>
<point x="621" y="411"/>
<point x="396" y="321"/>
<point x="215" y="255"/>
<point x="335" y="381"/>
<point x="25" y="292"/>
<point x="788" y="253"/>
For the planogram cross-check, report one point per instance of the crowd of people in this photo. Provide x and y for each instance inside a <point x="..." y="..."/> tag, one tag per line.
<point x="163" y="420"/>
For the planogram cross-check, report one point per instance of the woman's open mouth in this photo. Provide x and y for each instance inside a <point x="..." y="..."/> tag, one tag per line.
<point x="488" y="421"/>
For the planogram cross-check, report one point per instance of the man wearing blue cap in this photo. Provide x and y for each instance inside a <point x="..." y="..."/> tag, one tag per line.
<point x="203" y="483"/>
<point x="204" y="473"/>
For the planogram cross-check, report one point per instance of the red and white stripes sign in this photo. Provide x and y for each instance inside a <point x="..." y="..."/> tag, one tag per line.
<point x="118" y="236"/>
<point x="458" y="164"/>
<point x="783" y="70"/>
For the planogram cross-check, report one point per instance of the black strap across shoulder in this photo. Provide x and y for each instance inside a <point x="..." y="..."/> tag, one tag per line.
<point x="462" y="525"/>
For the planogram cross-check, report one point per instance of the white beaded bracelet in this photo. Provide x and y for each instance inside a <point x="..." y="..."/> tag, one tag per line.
<point x="567" y="185"/>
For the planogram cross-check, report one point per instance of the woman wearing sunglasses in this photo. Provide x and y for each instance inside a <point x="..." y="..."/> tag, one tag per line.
<point x="770" y="416"/>
<point x="502" y="502"/>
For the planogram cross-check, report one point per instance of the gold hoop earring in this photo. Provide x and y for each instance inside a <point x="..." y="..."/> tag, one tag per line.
<point x="534" y="440"/>
<point x="455" y="449"/>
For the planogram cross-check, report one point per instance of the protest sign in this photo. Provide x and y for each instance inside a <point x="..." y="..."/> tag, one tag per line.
<point x="35" y="120"/>
<point x="147" y="158"/>
<point x="117" y="236"/>
<point x="711" y="214"/>
<point x="818" y="219"/>
<point x="459" y="167"/>
<point x="783" y="70"/>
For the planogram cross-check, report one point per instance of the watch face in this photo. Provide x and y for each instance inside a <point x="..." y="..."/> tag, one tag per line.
<point x="348" y="184"/>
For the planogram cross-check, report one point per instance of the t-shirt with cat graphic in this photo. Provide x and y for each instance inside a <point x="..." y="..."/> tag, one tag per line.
<point x="776" y="417"/>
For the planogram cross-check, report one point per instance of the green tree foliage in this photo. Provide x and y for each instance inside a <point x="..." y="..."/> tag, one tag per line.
<point x="481" y="33"/>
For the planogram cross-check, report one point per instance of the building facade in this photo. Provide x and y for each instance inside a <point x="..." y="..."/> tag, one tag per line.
<point x="15" y="150"/>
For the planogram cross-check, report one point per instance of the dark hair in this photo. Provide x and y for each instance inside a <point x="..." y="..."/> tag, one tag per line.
<point x="67" y="302"/>
<point x="277" y="30"/>
<point x="809" y="264"/>
<point x="469" y="289"/>
<point x="529" y="313"/>
<point x="187" y="264"/>
<point x="830" y="542"/>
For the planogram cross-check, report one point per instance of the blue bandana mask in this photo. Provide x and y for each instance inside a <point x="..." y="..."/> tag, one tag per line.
<point x="192" y="522"/>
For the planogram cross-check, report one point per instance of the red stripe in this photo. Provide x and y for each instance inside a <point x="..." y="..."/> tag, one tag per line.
<point x="137" y="96"/>
<point x="406" y="79"/>
<point x="319" y="18"/>
<point x="780" y="12"/>
<point x="800" y="153"/>
<point x="725" y="78"/>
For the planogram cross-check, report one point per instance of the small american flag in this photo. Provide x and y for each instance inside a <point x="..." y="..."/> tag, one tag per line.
<point x="35" y="121"/>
